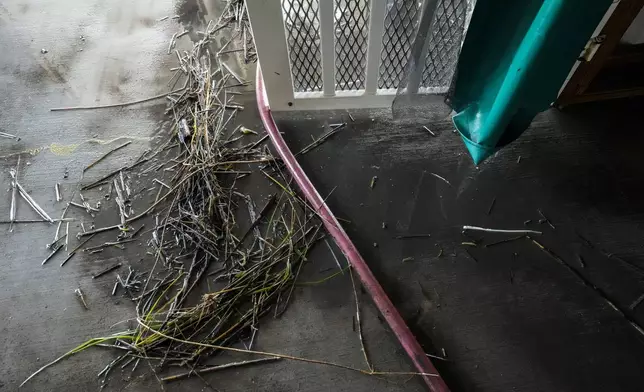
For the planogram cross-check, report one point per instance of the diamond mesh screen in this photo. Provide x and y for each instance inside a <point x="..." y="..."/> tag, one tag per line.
<point x="445" y="43"/>
<point x="401" y="22"/>
<point x="351" y="35"/>
<point x="302" y="26"/>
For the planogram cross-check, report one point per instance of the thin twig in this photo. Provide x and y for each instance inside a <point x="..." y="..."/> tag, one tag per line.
<point x="115" y="105"/>
<point x="14" y="188"/>
<point x="162" y="183"/>
<point x="23" y="193"/>
<point x="612" y="303"/>
<point x="320" y="140"/>
<point x="358" y="322"/>
<point x="441" y="178"/>
<point x="269" y="354"/>
<point x="429" y="130"/>
<point x="7" y="222"/>
<point x="511" y="231"/>
<point x="504" y="241"/>
<point x="8" y="135"/>
<point x="107" y="270"/>
<point x="218" y="367"/>
<point x="437" y="357"/>
<point x="636" y="303"/>
<point x="81" y="297"/>
<point x="80" y="245"/>
<point x="102" y="180"/>
<point x="545" y="219"/>
<point x="333" y="254"/>
<point x="106" y="155"/>
<point x="108" y="244"/>
<point x="53" y="252"/>
<point x="489" y="210"/>
<point x="406" y="236"/>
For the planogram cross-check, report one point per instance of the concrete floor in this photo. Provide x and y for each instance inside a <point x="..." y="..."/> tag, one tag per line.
<point x="506" y="322"/>
<point x="509" y="317"/>
<point x="121" y="57"/>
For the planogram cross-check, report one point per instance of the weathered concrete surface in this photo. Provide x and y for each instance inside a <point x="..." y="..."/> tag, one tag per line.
<point x="121" y="57"/>
<point x="97" y="53"/>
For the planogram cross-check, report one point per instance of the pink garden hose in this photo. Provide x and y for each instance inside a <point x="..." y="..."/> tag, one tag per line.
<point x="378" y="295"/>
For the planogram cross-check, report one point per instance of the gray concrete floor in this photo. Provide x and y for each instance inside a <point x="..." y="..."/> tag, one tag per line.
<point x="121" y="57"/>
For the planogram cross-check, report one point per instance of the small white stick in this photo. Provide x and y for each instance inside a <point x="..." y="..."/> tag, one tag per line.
<point x="436" y="356"/>
<point x="172" y="42"/>
<point x="60" y="223"/>
<point x="429" y="130"/>
<point x="32" y="202"/>
<point x="334" y="257"/>
<point x="358" y="323"/>
<point x="23" y="193"/>
<point x="441" y="178"/>
<point x="8" y="135"/>
<point x="476" y="228"/>
<point x="122" y="180"/>
<point x="12" y="211"/>
<point x="66" y="236"/>
<point x="119" y="201"/>
<point x="81" y="297"/>
<point x="58" y="197"/>
<point x="14" y="188"/>
<point x="161" y="183"/>
<point x="233" y="74"/>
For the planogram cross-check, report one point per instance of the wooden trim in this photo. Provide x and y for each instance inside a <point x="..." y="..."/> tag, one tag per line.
<point x="613" y="30"/>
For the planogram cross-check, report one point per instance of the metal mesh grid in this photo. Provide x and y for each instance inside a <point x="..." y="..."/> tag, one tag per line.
<point x="302" y="26"/>
<point x="401" y="22"/>
<point x="351" y="35"/>
<point x="445" y="43"/>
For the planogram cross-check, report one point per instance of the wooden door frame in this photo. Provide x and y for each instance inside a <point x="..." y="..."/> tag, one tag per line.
<point x="575" y="90"/>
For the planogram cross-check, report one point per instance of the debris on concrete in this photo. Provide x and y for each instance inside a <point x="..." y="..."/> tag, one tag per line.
<point x="8" y="135"/>
<point x="510" y="231"/>
<point x="372" y="183"/>
<point x="81" y="297"/>
<point x="107" y="270"/>
<point x="198" y="228"/>
<point x="429" y="130"/>
<point x="25" y="195"/>
<point x="441" y="178"/>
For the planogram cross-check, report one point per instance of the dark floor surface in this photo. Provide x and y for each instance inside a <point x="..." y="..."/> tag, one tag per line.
<point x="509" y="316"/>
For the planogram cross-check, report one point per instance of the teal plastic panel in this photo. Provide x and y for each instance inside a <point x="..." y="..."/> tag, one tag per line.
<point x="514" y="60"/>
